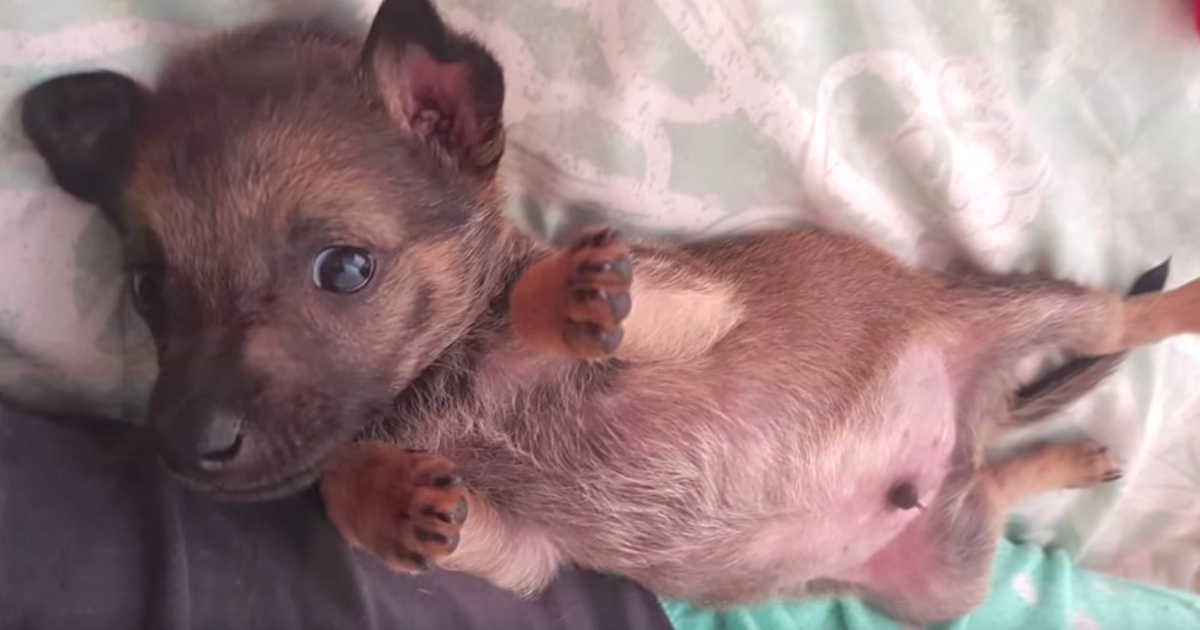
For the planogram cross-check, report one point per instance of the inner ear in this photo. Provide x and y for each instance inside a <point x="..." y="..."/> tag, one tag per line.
<point x="437" y="84"/>
<point x="83" y="126"/>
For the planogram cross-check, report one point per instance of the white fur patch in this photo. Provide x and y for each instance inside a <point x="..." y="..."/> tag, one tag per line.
<point x="675" y="324"/>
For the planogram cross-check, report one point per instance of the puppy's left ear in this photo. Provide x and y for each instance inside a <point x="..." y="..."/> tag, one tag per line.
<point x="437" y="84"/>
<point x="83" y="125"/>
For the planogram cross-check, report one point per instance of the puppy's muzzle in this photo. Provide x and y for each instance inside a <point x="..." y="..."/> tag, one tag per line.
<point x="198" y="419"/>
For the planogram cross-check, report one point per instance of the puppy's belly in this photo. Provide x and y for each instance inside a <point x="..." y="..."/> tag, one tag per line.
<point x="804" y="507"/>
<point x="906" y="437"/>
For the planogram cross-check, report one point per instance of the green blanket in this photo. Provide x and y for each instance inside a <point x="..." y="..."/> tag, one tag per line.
<point x="1032" y="589"/>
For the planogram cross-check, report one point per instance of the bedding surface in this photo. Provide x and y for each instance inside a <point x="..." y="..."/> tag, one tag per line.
<point x="1020" y="134"/>
<point x="1031" y="588"/>
<point x="95" y="535"/>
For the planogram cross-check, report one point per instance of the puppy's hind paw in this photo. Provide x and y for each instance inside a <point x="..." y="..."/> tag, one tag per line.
<point x="1085" y="464"/>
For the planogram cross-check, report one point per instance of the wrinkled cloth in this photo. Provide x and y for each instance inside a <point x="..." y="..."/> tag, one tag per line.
<point x="1031" y="589"/>
<point x="95" y="536"/>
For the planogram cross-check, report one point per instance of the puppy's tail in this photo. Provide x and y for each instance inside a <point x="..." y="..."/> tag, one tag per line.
<point x="1064" y="385"/>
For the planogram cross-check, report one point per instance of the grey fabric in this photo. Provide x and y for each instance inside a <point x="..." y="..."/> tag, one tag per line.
<point x="93" y="534"/>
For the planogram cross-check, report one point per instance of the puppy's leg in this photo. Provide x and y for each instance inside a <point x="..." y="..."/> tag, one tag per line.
<point x="586" y="301"/>
<point x="1049" y="466"/>
<point x="411" y="510"/>
<point x="574" y="300"/>
<point x="511" y="554"/>
<point x="940" y="567"/>
<point x="1067" y="383"/>
<point x="1157" y="316"/>
<point x="405" y="507"/>
<point x="1036" y="312"/>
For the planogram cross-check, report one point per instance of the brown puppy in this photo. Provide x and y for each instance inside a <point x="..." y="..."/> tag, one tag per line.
<point x="314" y="237"/>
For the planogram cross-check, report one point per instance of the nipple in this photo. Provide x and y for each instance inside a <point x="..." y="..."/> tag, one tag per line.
<point x="904" y="495"/>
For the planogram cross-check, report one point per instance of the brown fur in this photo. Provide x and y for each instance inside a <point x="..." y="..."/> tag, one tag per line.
<point x="742" y="442"/>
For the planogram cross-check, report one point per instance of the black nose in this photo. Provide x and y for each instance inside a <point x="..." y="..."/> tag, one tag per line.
<point x="220" y="441"/>
<point x="199" y="444"/>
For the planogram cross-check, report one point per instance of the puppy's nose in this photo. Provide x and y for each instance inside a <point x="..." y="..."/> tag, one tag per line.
<point x="198" y="444"/>
<point x="220" y="441"/>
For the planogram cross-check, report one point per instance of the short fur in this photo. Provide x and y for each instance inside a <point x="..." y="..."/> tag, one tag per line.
<point x="767" y="393"/>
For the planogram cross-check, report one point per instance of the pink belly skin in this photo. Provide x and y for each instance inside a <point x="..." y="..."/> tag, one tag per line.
<point x="908" y="435"/>
<point x="913" y="446"/>
<point x="908" y="564"/>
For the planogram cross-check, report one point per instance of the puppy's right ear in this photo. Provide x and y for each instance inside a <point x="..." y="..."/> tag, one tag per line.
<point x="83" y="125"/>
<point x="438" y="84"/>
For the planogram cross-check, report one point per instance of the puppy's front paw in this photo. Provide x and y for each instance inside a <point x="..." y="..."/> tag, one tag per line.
<point x="575" y="300"/>
<point x="405" y="507"/>
<point x="597" y="293"/>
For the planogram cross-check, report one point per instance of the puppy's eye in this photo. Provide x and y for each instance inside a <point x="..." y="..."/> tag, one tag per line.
<point x="145" y="285"/>
<point x="342" y="269"/>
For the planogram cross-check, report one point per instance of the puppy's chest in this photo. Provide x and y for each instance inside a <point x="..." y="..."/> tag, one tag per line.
<point x="898" y="427"/>
<point x="508" y="397"/>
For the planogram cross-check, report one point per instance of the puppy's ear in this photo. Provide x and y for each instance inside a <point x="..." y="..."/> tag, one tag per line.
<point x="83" y="125"/>
<point x="437" y="84"/>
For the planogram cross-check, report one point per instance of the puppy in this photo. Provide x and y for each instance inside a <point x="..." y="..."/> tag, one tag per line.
<point x="313" y="231"/>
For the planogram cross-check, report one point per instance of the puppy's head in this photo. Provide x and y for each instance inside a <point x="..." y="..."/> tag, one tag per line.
<point x="309" y="221"/>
